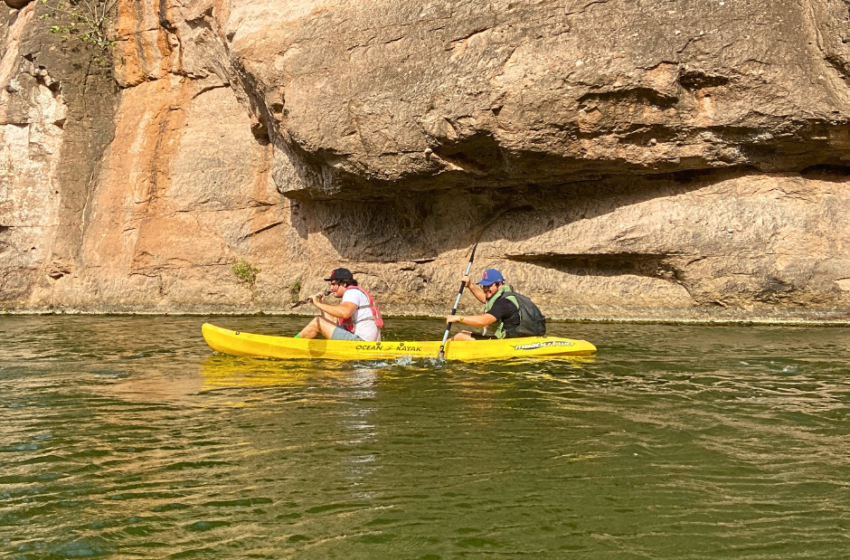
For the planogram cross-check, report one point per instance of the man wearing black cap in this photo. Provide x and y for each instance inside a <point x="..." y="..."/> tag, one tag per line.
<point x="357" y="317"/>
<point x="501" y="310"/>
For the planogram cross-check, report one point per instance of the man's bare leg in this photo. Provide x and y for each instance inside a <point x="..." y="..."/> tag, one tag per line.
<point x="463" y="335"/>
<point x="327" y="327"/>
<point x="311" y="330"/>
<point x="316" y="326"/>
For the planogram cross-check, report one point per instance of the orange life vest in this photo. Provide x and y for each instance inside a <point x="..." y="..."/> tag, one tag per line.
<point x="348" y="323"/>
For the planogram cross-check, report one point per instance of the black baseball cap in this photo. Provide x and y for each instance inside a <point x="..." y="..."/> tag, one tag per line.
<point x="340" y="274"/>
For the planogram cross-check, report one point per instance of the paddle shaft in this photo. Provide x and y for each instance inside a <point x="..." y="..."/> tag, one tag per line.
<point x="303" y="301"/>
<point x="457" y="301"/>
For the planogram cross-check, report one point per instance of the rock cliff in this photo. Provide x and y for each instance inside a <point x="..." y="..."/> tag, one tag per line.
<point x="617" y="159"/>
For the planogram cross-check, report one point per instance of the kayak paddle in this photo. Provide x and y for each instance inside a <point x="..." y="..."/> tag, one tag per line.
<point x="442" y="352"/>
<point x="303" y="301"/>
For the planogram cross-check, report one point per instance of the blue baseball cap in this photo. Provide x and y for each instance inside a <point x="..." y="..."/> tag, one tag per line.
<point x="491" y="276"/>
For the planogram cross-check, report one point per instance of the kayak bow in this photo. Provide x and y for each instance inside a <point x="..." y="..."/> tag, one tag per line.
<point x="262" y="346"/>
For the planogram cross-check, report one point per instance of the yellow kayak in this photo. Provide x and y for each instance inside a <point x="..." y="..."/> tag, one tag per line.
<point x="262" y="346"/>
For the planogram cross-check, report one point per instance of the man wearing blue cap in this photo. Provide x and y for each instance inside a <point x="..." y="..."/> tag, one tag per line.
<point x="501" y="312"/>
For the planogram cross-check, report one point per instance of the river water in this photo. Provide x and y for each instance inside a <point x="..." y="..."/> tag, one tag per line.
<point x="126" y="437"/>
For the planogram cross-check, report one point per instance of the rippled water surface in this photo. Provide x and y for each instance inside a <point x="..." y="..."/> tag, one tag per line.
<point x="125" y="437"/>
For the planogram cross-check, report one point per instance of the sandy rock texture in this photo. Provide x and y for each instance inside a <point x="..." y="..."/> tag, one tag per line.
<point x="617" y="159"/>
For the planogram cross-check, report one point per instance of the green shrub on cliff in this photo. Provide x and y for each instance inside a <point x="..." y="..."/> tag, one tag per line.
<point x="295" y="291"/>
<point x="244" y="272"/>
<point x="82" y="20"/>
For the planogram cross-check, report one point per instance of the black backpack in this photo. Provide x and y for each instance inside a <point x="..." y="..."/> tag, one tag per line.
<point x="531" y="320"/>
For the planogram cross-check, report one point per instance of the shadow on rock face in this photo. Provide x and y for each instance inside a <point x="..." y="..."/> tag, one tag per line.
<point x="422" y="226"/>
<point x="730" y="239"/>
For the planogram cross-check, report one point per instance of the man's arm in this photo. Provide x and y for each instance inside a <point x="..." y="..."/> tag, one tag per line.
<point x="475" y="290"/>
<point x="498" y="312"/>
<point x="483" y="320"/>
<point x="343" y="311"/>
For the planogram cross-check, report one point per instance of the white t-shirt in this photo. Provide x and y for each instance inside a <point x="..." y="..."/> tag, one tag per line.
<point x="364" y="324"/>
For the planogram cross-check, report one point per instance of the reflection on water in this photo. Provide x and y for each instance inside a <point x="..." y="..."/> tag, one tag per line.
<point x="152" y="388"/>
<point x="126" y="437"/>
